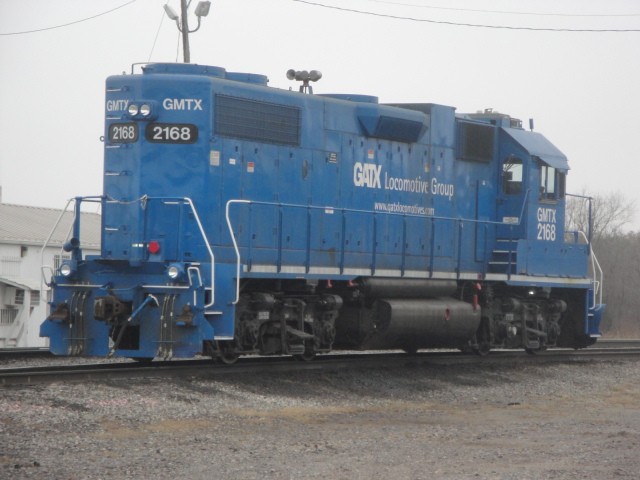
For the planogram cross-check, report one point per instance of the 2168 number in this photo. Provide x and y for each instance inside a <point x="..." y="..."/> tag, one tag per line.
<point x="123" y="133"/>
<point x="171" y="133"/>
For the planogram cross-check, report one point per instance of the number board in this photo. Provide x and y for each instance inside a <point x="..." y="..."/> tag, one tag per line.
<point x="123" y="132"/>
<point x="171" y="133"/>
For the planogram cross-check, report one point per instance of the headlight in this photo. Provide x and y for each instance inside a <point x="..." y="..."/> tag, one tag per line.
<point x="142" y="110"/>
<point x="175" y="271"/>
<point x="66" y="269"/>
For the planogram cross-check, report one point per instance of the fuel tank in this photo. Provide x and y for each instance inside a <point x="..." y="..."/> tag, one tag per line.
<point x="408" y="324"/>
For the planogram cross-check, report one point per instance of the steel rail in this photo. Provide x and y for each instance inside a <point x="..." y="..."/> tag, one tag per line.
<point x="207" y="369"/>
<point x="44" y="351"/>
<point x="615" y="343"/>
<point x="18" y="352"/>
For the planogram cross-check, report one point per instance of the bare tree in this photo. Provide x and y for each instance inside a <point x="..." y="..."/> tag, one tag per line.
<point x="619" y="256"/>
<point x="618" y="253"/>
<point x="610" y="213"/>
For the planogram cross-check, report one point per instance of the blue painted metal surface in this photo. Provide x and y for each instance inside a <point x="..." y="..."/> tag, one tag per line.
<point x="235" y="180"/>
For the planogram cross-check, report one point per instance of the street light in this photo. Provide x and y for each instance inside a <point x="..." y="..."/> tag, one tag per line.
<point x="202" y="10"/>
<point x="171" y="13"/>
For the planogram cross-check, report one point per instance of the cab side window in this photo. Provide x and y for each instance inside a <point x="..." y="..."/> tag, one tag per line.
<point x="512" y="176"/>
<point x="552" y="183"/>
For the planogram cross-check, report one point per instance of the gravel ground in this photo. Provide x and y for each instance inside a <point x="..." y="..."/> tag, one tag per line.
<point x="491" y="420"/>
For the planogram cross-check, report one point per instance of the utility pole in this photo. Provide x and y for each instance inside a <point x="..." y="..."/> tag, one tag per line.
<point x="182" y="22"/>
<point x="185" y="31"/>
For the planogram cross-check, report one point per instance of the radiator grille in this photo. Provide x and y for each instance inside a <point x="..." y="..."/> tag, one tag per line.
<point x="259" y="121"/>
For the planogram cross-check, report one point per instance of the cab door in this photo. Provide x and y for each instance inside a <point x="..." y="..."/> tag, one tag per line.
<point x="511" y="197"/>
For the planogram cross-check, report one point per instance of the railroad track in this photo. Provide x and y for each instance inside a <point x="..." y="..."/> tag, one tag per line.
<point x="615" y="343"/>
<point x="7" y="352"/>
<point x="206" y="368"/>
<point x="17" y="352"/>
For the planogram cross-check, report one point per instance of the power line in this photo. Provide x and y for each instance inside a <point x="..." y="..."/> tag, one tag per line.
<point x="178" y="46"/>
<point x="506" y="12"/>
<point x="156" y="37"/>
<point x="70" y="23"/>
<point x="477" y="25"/>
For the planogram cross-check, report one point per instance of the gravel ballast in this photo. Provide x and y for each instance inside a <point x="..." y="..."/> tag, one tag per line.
<point x="494" y="420"/>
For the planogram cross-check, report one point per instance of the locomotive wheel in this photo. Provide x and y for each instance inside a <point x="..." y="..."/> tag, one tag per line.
<point x="466" y="349"/>
<point x="228" y="358"/>
<point x="308" y="355"/>
<point x="535" y="351"/>
<point x="226" y="354"/>
<point x="482" y="349"/>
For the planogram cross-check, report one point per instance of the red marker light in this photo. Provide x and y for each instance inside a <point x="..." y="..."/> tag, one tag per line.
<point x="153" y="247"/>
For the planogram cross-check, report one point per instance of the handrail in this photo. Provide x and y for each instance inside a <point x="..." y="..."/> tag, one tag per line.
<point x="145" y="199"/>
<point x="511" y="235"/>
<point x="235" y="246"/>
<point x="204" y="237"/>
<point x="78" y="201"/>
<point x="196" y="269"/>
<point x="344" y="210"/>
<point x="590" y="212"/>
<point x="597" y="272"/>
<point x="46" y="244"/>
<point x="371" y="212"/>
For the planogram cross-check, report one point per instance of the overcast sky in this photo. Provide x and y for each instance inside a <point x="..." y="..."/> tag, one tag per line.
<point x="581" y="88"/>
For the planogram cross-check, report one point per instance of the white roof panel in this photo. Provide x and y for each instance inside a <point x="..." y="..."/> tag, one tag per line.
<point x="32" y="225"/>
<point x="23" y="283"/>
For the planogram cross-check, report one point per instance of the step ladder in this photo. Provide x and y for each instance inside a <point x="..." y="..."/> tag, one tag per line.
<point x="504" y="257"/>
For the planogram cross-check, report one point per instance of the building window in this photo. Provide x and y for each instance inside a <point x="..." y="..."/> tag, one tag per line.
<point x="58" y="259"/>
<point x="19" y="298"/>
<point x="8" y="315"/>
<point x="35" y="298"/>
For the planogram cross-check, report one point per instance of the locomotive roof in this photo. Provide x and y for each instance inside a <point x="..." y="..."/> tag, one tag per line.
<point x="537" y="145"/>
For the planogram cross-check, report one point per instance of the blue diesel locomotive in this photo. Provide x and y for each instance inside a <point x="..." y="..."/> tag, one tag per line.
<point x="240" y="219"/>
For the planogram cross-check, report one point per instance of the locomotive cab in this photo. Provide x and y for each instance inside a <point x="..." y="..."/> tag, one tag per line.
<point x="531" y="204"/>
<point x="529" y="200"/>
<point x="531" y="242"/>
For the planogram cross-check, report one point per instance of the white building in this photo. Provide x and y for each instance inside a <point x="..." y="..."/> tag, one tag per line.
<point x="23" y="294"/>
